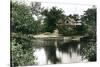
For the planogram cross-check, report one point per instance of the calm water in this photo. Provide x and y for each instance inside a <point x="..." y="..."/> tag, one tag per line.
<point x="55" y="51"/>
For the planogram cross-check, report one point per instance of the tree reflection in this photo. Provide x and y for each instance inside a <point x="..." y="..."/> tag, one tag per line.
<point x="69" y="47"/>
<point x="51" y="52"/>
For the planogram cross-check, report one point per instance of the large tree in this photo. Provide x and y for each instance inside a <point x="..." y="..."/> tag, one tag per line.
<point x="52" y="17"/>
<point x="89" y="19"/>
<point x="36" y="10"/>
<point x="21" y="18"/>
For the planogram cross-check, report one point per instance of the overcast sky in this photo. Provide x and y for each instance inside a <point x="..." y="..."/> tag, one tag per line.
<point x="69" y="6"/>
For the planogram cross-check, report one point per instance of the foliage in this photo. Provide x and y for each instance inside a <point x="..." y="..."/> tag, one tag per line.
<point x="65" y="31"/>
<point x="52" y="17"/>
<point x="89" y="19"/>
<point x="22" y="20"/>
<point x="68" y="30"/>
<point x="36" y="8"/>
<point x="89" y="51"/>
<point x="21" y="52"/>
<point x="89" y="16"/>
<point x="81" y="30"/>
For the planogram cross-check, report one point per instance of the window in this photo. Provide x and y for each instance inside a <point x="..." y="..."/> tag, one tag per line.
<point x="67" y="22"/>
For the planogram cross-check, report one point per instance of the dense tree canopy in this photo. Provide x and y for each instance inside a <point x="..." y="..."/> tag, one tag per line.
<point x="89" y="19"/>
<point x="21" y="18"/>
<point x="52" y="17"/>
<point x="89" y="16"/>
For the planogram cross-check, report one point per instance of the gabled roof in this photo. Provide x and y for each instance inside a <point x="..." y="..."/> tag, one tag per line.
<point x="71" y="21"/>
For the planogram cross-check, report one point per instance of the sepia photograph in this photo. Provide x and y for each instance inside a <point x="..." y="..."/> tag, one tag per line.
<point x="52" y="32"/>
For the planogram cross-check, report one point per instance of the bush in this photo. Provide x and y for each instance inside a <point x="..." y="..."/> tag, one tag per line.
<point x="89" y="51"/>
<point x="21" y="52"/>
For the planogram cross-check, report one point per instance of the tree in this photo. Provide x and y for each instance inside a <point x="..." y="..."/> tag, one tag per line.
<point x="89" y="16"/>
<point x="89" y="19"/>
<point x="21" y="18"/>
<point x="36" y="8"/>
<point x="52" y="17"/>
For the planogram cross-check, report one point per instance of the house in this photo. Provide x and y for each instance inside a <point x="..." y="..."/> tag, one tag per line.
<point x="67" y="21"/>
<point x="71" y="22"/>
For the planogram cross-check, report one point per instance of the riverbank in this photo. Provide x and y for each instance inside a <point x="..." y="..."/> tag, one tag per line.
<point x="45" y="36"/>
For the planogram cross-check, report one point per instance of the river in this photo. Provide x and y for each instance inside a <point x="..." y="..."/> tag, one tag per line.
<point x="52" y="50"/>
<point x="57" y="51"/>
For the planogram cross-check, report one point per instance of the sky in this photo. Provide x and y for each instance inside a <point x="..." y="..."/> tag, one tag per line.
<point x="69" y="6"/>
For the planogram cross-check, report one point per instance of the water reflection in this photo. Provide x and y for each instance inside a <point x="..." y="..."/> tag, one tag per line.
<point x="53" y="51"/>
